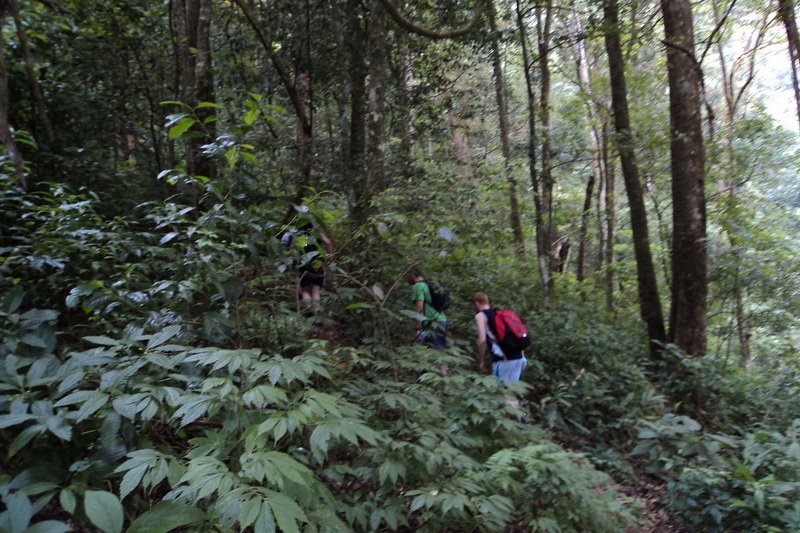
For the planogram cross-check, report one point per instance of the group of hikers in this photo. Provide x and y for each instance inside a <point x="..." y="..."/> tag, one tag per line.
<point x="507" y="361"/>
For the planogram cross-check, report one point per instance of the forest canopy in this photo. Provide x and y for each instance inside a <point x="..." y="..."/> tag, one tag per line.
<point x="623" y="175"/>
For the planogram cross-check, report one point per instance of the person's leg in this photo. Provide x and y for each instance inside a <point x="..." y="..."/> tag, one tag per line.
<point x="438" y="336"/>
<point x="315" y="296"/>
<point x="305" y="293"/>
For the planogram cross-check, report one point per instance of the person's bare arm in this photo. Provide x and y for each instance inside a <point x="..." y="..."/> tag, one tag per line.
<point x="328" y="244"/>
<point x="420" y="310"/>
<point x="481" y="323"/>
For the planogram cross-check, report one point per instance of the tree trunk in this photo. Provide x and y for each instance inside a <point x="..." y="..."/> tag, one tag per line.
<point x="5" y="128"/>
<point x="544" y="17"/>
<point x="502" y="110"/>
<point x="786" y="13"/>
<point x="609" y="220"/>
<point x="356" y="44"/>
<point x="689" y="255"/>
<point x="376" y="124"/>
<point x="408" y="119"/>
<point x="649" y="303"/>
<point x="36" y="91"/>
<point x="198" y="83"/>
<point x="595" y="147"/>
<point x="542" y="245"/>
<point x="583" y="244"/>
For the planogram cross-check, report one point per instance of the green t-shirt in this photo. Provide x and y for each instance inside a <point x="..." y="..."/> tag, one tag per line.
<point x="420" y="291"/>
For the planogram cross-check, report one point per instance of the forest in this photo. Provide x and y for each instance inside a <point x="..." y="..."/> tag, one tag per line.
<point x="621" y="173"/>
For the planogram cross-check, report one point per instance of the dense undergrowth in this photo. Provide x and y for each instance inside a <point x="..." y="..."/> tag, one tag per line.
<point x="157" y="374"/>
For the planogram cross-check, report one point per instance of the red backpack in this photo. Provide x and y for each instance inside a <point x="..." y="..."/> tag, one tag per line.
<point x="509" y="331"/>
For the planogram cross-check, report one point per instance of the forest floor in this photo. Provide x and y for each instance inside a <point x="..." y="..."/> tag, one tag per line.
<point x="656" y="519"/>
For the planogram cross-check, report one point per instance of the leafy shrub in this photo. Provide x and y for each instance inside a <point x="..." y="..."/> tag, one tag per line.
<point x="755" y="487"/>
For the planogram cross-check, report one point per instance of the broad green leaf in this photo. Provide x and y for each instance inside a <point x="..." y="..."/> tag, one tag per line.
<point x="13" y="299"/>
<point x="68" y="500"/>
<point x="163" y="336"/>
<point x="193" y="409"/>
<point x="647" y="434"/>
<point x="166" y="516"/>
<point x="13" y="420"/>
<point x="181" y="127"/>
<point x="131" y="480"/>
<point x="104" y="510"/>
<point x="102" y="340"/>
<point x="286" y="511"/>
<point x="413" y="314"/>
<point x="169" y="237"/>
<point x="25" y="436"/>
<point x="20" y="512"/>
<point x="35" y="317"/>
<point x="49" y="526"/>
<point x="251" y="116"/>
<point x="31" y="339"/>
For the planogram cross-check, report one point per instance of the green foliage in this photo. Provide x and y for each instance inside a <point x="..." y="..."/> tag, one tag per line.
<point x="164" y="417"/>
<point x="754" y="486"/>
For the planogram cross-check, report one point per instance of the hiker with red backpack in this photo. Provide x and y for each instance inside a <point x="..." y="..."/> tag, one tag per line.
<point x="503" y="335"/>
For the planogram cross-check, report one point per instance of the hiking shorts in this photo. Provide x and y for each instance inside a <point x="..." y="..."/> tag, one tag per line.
<point x="509" y="370"/>
<point x="311" y="276"/>
<point x="436" y="335"/>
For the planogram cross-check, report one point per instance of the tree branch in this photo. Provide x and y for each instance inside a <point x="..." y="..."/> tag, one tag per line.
<point x="409" y="26"/>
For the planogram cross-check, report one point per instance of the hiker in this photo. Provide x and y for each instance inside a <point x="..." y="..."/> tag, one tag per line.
<point x="433" y="330"/>
<point x="310" y="267"/>
<point x="505" y="366"/>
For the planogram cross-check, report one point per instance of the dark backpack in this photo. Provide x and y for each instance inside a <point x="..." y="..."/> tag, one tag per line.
<point x="509" y="331"/>
<point x="440" y="296"/>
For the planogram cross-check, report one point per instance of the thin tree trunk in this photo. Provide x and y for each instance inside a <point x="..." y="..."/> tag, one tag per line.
<point x="36" y="91"/>
<point x="502" y="110"/>
<point x="688" y="315"/>
<point x="459" y="144"/>
<point x="584" y="230"/>
<point x="649" y="303"/>
<point x="536" y="185"/>
<point x="733" y="97"/>
<point x="610" y="219"/>
<point x="408" y="119"/>
<point x="584" y="80"/>
<point x="298" y="88"/>
<point x="544" y="18"/>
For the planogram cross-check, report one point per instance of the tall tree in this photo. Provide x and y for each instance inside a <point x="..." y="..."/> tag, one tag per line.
<point x="505" y="145"/>
<point x="355" y="150"/>
<point x="787" y="16"/>
<point x="688" y="313"/>
<point x="6" y="134"/>
<point x="544" y="20"/>
<point x="376" y="90"/>
<point x="198" y="81"/>
<point x="541" y="206"/>
<point x="649" y="303"/>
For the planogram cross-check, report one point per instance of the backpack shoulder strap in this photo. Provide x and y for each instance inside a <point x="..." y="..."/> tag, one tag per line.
<point x="491" y="314"/>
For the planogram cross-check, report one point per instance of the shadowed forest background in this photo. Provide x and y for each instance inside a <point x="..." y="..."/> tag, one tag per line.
<point x="622" y="174"/>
